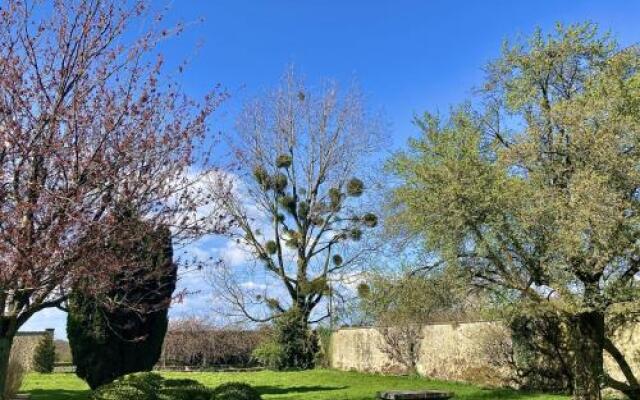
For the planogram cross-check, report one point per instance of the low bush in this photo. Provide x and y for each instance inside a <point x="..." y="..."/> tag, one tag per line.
<point x="144" y="386"/>
<point x="150" y="386"/>
<point x="235" y="391"/>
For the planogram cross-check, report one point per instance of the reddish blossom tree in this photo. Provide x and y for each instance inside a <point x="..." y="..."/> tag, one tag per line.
<point x="86" y="124"/>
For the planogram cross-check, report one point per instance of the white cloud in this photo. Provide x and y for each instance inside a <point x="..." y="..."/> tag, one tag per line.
<point x="235" y="254"/>
<point x="251" y="285"/>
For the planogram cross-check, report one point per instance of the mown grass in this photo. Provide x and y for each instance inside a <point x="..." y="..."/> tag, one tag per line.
<point x="302" y="385"/>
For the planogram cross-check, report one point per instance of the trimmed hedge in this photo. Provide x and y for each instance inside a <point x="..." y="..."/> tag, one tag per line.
<point x="151" y="386"/>
<point x="110" y="342"/>
<point x="144" y="386"/>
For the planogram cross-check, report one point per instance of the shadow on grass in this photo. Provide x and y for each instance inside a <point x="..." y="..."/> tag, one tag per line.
<point x="296" y="389"/>
<point x="57" y="394"/>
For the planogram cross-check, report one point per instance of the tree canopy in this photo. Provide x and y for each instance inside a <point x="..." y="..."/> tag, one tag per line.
<point x="536" y="191"/>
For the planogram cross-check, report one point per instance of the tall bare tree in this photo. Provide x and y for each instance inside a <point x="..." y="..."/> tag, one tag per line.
<point x="303" y="159"/>
<point x="87" y="122"/>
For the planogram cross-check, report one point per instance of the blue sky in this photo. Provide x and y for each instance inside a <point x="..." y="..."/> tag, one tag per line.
<point x="408" y="56"/>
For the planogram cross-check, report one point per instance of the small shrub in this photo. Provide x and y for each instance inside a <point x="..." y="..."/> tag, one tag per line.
<point x="44" y="358"/>
<point x="15" y="376"/>
<point x="144" y="386"/>
<point x="235" y="391"/>
<point x="269" y="354"/>
<point x="120" y="391"/>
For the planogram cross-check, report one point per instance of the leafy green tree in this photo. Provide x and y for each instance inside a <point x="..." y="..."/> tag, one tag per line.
<point x="44" y="356"/>
<point x="122" y="331"/>
<point x="537" y="193"/>
<point x="299" y="204"/>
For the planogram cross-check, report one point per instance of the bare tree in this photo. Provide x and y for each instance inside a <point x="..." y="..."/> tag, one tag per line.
<point x="87" y="122"/>
<point x="304" y="160"/>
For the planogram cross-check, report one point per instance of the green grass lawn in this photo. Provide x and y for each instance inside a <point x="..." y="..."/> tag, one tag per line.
<point x="304" y="385"/>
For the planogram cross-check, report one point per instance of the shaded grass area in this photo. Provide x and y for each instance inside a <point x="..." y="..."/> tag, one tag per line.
<point x="299" y="385"/>
<point x="55" y="387"/>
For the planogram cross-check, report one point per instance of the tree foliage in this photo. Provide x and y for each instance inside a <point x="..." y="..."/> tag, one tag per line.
<point x="536" y="193"/>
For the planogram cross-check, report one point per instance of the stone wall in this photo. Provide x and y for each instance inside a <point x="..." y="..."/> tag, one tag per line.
<point x="628" y="342"/>
<point x="24" y="346"/>
<point x="472" y="352"/>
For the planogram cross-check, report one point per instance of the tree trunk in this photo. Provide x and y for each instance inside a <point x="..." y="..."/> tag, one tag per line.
<point x="5" y="350"/>
<point x="7" y="333"/>
<point x="587" y="343"/>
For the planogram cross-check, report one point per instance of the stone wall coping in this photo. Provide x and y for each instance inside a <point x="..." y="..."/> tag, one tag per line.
<point x="32" y="333"/>
<point x="450" y="323"/>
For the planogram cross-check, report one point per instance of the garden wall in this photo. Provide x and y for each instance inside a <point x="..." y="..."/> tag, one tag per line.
<point x="628" y="341"/>
<point x="24" y="345"/>
<point x="473" y="352"/>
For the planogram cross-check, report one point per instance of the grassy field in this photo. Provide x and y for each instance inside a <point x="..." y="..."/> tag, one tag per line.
<point x="305" y="385"/>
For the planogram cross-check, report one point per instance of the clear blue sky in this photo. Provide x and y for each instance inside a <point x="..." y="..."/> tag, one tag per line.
<point x="409" y="56"/>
